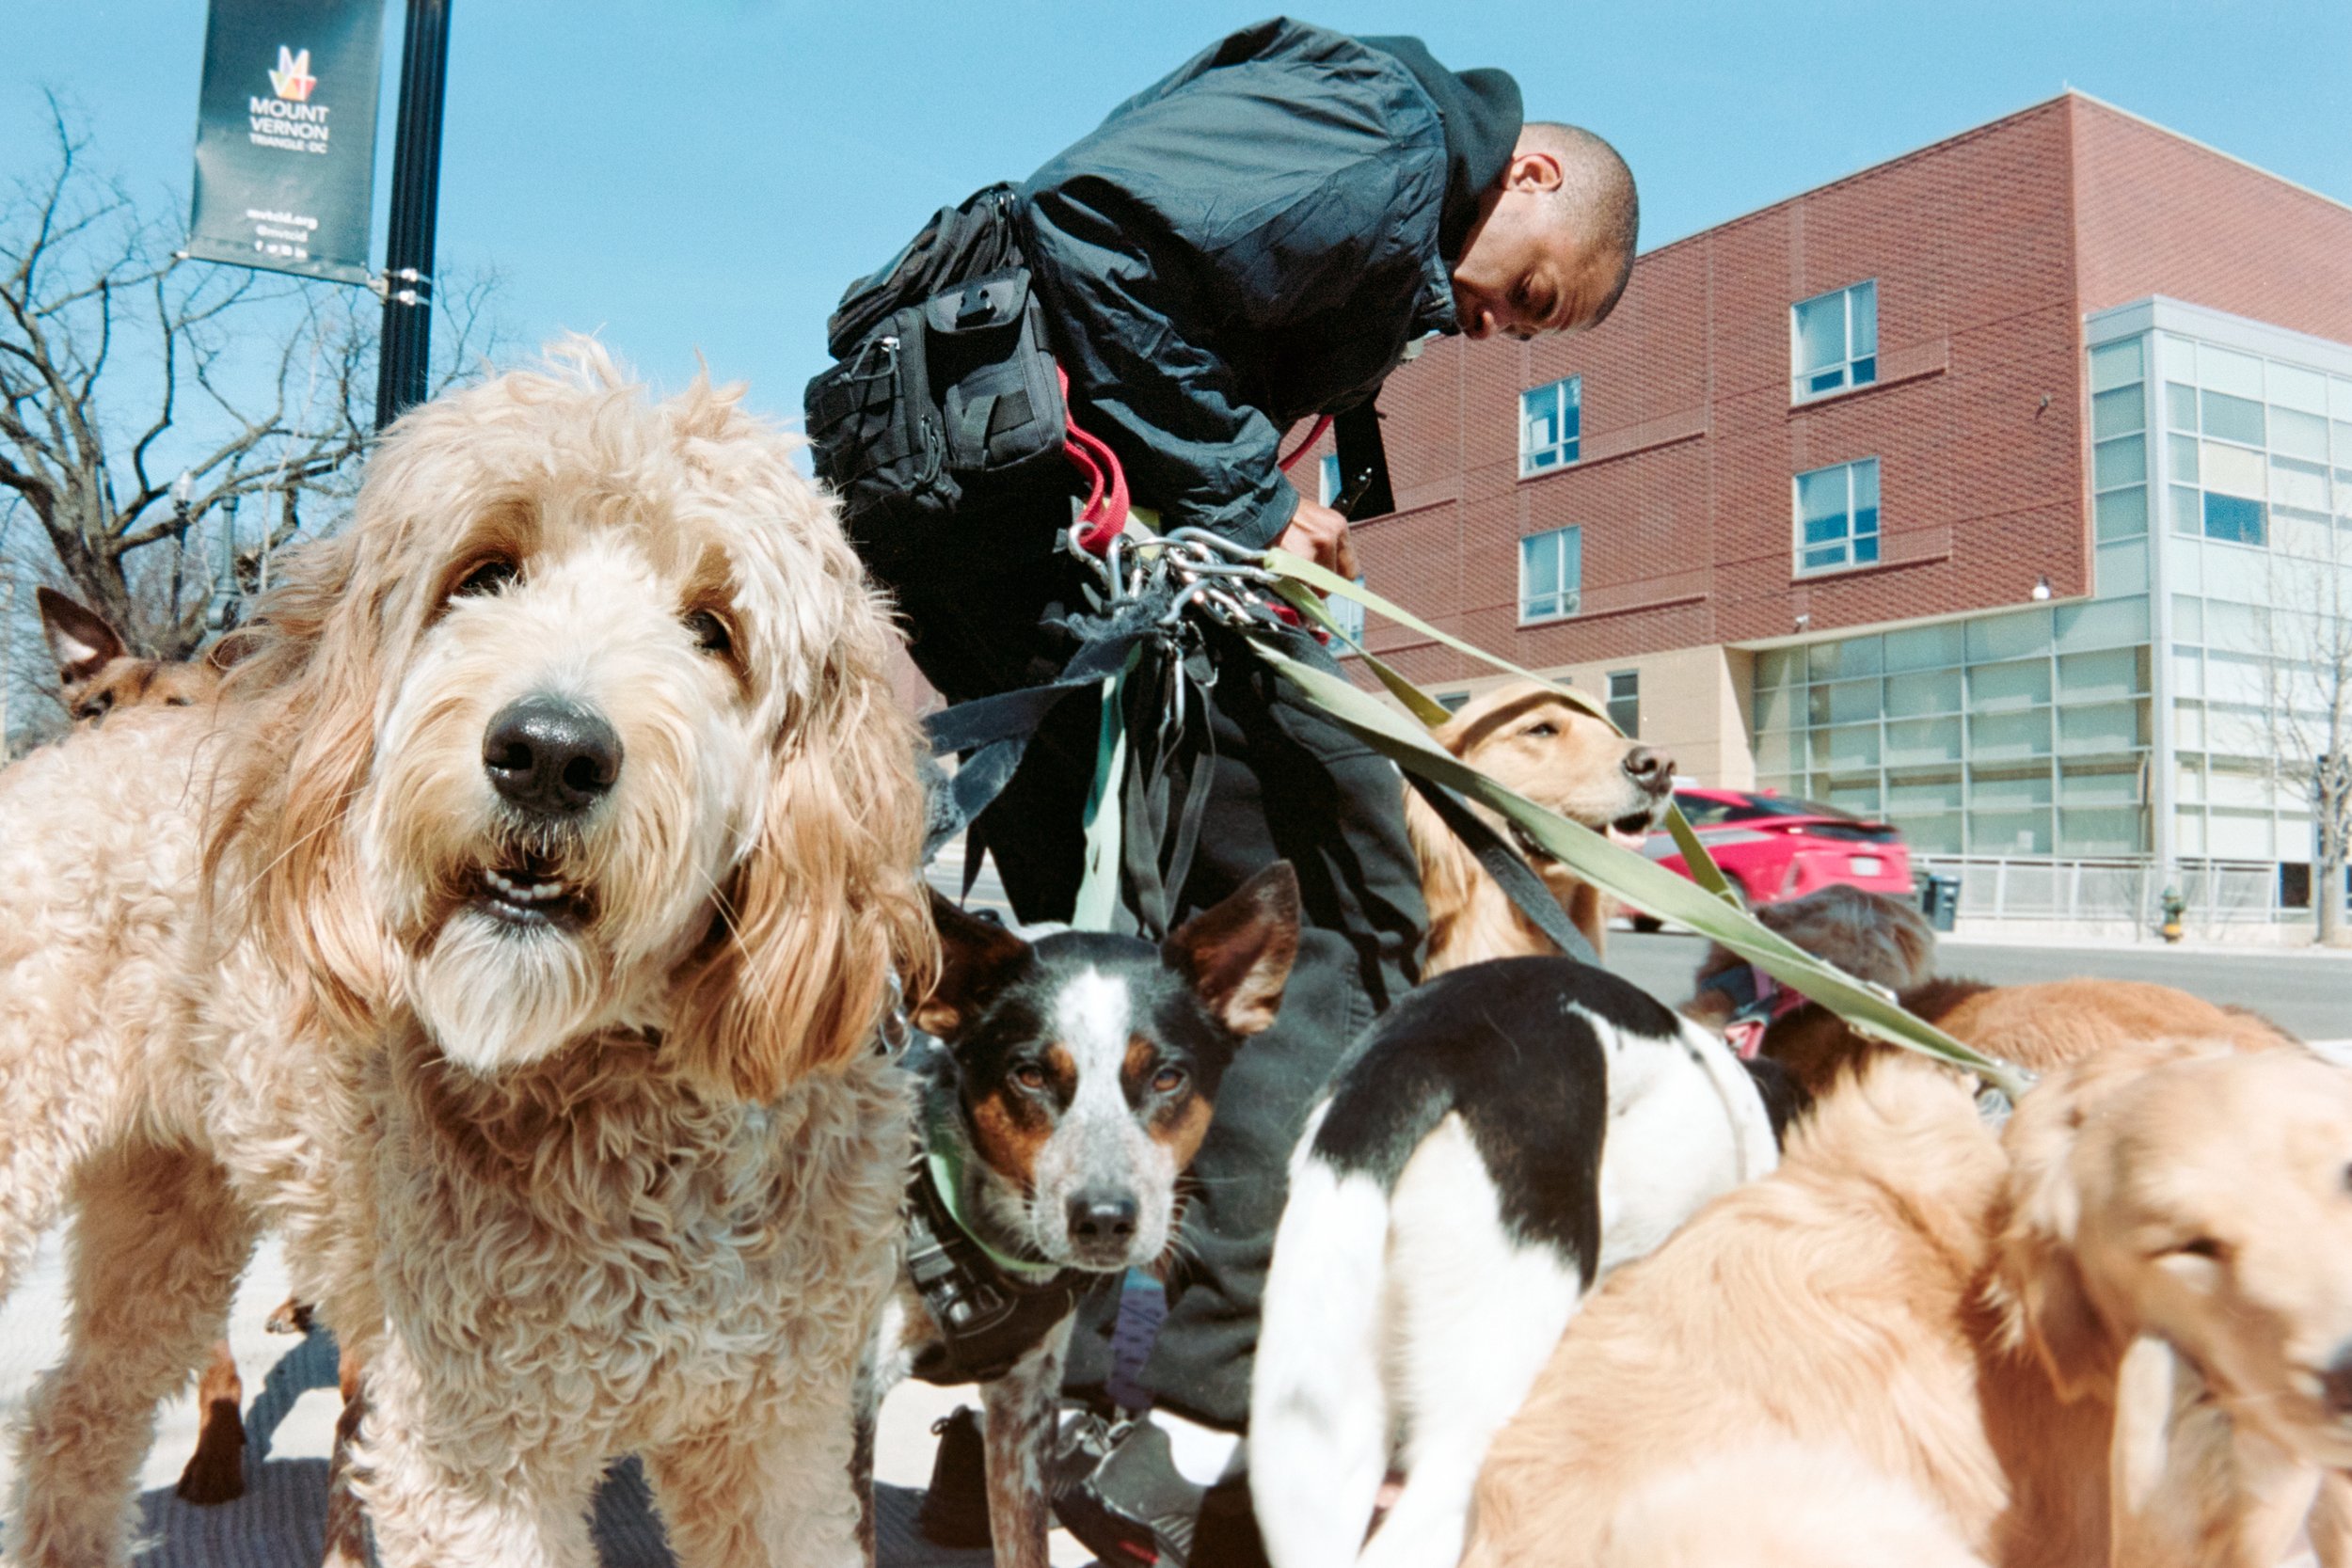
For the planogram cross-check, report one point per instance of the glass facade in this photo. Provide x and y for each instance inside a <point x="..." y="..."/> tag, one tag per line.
<point x="2024" y="733"/>
<point x="2257" y="471"/>
<point x="1552" y="425"/>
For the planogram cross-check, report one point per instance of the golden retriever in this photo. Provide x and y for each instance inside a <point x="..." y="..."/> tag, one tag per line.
<point x="1562" y="758"/>
<point x="1781" y="1505"/>
<point x="1897" y="1290"/>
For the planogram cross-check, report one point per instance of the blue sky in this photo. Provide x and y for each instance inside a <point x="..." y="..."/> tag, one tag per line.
<point x="707" y="174"/>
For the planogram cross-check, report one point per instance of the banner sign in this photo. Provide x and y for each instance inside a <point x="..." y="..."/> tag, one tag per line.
<point x="285" y="136"/>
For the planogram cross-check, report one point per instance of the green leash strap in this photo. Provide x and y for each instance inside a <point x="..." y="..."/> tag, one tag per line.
<point x="1634" y="878"/>
<point x="1300" y="571"/>
<point x="1097" y="890"/>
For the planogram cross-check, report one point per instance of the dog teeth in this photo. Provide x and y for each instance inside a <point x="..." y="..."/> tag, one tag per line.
<point x="521" y="893"/>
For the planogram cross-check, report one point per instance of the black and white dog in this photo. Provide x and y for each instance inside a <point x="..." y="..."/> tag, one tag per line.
<point x="1505" y="1136"/>
<point x="1069" y="1083"/>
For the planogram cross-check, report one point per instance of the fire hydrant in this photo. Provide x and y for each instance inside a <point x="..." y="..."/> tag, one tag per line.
<point x="2174" y="906"/>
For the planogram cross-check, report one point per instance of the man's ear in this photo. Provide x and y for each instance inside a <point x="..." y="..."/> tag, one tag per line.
<point x="1238" y="954"/>
<point x="976" y="957"/>
<point x="80" y="641"/>
<point x="1533" y="170"/>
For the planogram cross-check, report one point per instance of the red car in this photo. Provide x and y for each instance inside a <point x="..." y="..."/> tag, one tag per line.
<point x="1775" y="847"/>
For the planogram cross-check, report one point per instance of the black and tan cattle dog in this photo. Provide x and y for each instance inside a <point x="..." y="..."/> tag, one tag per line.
<point x="1069" y="1082"/>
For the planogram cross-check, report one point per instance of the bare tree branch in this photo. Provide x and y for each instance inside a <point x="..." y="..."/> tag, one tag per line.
<point x="146" y="400"/>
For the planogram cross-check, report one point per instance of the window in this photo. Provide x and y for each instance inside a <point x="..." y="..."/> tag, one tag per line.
<point x="1837" y="516"/>
<point x="1327" y="473"/>
<point x="1349" y="613"/>
<point x="2118" y="455"/>
<point x="1834" y="343"/>
<point x="1552" y="425"/>
<point x="1625" y="700"/>
<point x="2248" y="466"/>
<point x="1552" y="574"/>
<point x="1454" y="701"/>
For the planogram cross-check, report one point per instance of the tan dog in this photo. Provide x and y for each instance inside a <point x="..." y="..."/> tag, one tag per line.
<point x="1895" y="1291"/>
<point x="1560" y="757"/>
<point x="2179" y="1241"/>
<point x="97" y="674"/>
<point x="1781" y="1505"/>
<point x="559" y="833"/>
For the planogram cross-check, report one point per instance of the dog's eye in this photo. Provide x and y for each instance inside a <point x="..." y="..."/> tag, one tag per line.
<point x="1030" y="1076"/>
<point x="2203" y="1247"/>
<point x="1540" y="732"/>
<point x="1169" y="1080"/>
<point x="710" y="633"/>
<point x="175" y="702"/>
<point x="486" y="578"/>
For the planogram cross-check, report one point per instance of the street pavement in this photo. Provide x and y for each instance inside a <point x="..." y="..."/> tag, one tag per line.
<point x="2307" y="992"/>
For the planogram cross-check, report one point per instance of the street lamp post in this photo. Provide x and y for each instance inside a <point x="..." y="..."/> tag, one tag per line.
<point x="406" y="347"/>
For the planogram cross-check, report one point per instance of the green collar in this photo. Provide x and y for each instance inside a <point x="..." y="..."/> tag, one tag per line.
<point x="943" y="1158"/>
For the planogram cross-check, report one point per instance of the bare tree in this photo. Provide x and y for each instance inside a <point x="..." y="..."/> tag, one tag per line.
<point x="167" y="425"/>
<point x="2307" y="723"/>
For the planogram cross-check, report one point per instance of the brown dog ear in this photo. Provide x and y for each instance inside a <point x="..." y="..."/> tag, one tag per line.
<point x="1238" y="953"/>
<point x="80" y="641"/>
<point x="976" y="957"/>
<point x="2038" y="1285"/>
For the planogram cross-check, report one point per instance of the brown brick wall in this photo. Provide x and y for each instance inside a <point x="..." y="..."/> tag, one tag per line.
<point x="2160" y="215"/>
<point x="1690" y="442"/>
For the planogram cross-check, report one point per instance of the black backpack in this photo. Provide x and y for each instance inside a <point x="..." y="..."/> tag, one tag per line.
<point x="942" y="386"/>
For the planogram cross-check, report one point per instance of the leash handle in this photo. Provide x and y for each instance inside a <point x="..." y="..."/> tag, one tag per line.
<point x="1104" y="517"/>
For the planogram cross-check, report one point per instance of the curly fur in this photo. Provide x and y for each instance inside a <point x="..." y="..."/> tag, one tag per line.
<point x="630" y="1184"/>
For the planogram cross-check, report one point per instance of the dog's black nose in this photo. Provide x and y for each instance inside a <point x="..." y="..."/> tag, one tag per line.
<point x="1102" y="1220"/>
<point x="551" y="756"/>
<point x="1653" y="770"/>
<point x="2337" y="1381"/>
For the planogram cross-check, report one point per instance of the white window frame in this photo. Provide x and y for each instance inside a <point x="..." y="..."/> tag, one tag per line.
<point x="1570" y="596"/>
<point x="1800" y="378"/>
<point x="1563" y="453"/>
<point x="1347" y="613"/>
<point x="1798" y="544"/>
<point x="1327" y="478"/>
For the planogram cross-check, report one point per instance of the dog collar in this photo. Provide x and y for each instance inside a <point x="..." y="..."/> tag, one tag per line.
<point x="1757" y="1001"/>
<point x="989" y="1309"/>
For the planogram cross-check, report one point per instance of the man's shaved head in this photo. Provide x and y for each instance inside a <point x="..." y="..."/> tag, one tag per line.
<point x="1553" y="247"/>
<point x="1596" y="193"/>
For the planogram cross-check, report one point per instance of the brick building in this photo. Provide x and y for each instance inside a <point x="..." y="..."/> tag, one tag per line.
<point x="1968" y="491"/>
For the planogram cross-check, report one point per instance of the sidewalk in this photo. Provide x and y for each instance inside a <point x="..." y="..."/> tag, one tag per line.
<point x="291" y="1407"/>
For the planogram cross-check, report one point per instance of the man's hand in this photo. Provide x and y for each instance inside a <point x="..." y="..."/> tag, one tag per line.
<point x="1320" y="534"/>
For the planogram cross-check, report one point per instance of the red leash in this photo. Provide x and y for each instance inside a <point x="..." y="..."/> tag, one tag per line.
<point x="1104" y="515"/>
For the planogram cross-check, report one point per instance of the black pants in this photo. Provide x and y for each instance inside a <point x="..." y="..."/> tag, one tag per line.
<point x="1283" y="784"/>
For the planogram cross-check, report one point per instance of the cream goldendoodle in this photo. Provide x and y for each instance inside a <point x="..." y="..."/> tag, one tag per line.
<point x="512" y="937"/>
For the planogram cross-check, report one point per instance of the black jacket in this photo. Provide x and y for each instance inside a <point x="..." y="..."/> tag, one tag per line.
<point x="1257" y="238"/>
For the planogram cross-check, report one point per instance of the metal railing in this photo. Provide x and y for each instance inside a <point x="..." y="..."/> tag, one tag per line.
<point x="2219" y="893"/>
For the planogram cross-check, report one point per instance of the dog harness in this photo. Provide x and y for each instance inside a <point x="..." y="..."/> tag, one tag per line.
<point x="991" y="1309"/>
<point x="1758" y="1003"/>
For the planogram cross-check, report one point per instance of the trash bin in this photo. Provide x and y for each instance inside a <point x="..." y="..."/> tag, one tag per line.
<point x="1939" y="898"/>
